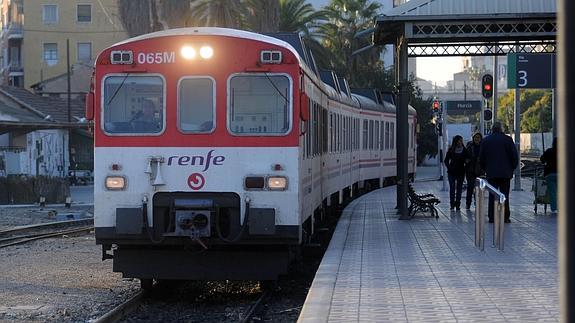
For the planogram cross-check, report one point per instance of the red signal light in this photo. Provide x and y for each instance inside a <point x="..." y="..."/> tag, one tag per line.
<point x="487" y="87"/>
<point x="435" y="105"/>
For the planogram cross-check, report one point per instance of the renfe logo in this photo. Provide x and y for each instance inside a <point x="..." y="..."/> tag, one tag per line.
<point x="206" y="161"/>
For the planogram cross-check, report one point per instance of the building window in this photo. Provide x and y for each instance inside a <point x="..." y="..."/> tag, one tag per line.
<point x="51" y="53"/>
<point x="84" y="13"/>
<point x="84" y="52"/>
<point x="50" y="13"/>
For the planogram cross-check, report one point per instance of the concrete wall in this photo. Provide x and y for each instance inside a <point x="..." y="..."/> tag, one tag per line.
<point x="533" y="142"/>
<point x="104" y="30"/>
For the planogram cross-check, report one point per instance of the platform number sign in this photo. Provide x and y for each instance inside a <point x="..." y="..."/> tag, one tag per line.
<point x="531" y="71"/>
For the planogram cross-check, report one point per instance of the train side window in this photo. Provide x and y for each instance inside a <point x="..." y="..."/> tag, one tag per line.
<point x="365" y="123"/>
<point x="376" y="135"/>
<point x="324" y="130"/>
<point x="381" y="136"/>
<point x="259" y="104"/>
<point x="331" y="132"/>
<point x="196" y="105"/>
<point x="133" y="104"/>
<point x="387" y="135"/>
<point x="370" y="134"/>
<point x="392" y="135"/>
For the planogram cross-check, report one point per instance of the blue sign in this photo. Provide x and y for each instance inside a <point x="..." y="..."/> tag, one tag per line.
<point x="531" y="71"/>
<point x="463" y="107"/>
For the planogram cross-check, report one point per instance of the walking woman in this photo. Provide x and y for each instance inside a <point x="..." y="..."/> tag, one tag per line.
<point x="455" y="163"/>
<point x="473" y="167"/>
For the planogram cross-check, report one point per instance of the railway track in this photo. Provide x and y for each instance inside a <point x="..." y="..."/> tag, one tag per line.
<point x="20" y="235"/>
<point x="247" y="316"/>
<point x="124" y="310"/>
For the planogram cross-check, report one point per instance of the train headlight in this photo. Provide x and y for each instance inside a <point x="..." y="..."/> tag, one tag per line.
<point x="206" y="52"/>
<point x="277" y="183"/>
<point x="115" y="183"/>
<point x="188" y="52"/>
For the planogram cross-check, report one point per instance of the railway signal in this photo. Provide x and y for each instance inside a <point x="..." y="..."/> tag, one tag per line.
<point x="487" y="86"/>
<point x="435" y="106"/>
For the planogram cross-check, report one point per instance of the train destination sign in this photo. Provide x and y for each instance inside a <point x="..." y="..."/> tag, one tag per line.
<point x="463" y="107"/>
<point x="531" y="71"/>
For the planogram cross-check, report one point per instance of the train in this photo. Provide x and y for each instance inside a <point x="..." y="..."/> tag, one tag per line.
<point x="217" y="150"/>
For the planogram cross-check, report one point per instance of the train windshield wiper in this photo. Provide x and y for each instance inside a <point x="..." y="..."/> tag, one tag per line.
<point x="118" y="89"/>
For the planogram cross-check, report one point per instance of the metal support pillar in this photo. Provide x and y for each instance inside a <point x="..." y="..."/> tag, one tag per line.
<point x="517" y="137"/>
<point x="495" y="85"/>
<point x="566" y="151"/>
<point x="402" y="133"/>
<point x="554" y="111"/>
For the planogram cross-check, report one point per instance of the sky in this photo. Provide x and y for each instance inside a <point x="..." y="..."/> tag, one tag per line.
<point x="438" y="69"/>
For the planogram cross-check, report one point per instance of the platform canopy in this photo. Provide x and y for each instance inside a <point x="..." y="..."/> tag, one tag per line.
<point x="470" y="27"/>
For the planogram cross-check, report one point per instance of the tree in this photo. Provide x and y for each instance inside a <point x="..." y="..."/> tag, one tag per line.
<point x="345" y="19"/>
<point x="427" y="136"/>
<point x="263" y="15"/>
<point x="219" y="13"/>
<point x="142" y="17"/>
<point x="299" y="16"/>
<point x="535" y="110"/>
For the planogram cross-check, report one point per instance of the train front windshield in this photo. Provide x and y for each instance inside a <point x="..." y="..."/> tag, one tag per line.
<point x="133" y="104"/>
<point x="259" y="104"/>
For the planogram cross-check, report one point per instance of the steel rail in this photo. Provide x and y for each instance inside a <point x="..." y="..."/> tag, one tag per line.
<point x="38" y="236"/>
<point x="252" y="309"/>
<point x="33" y="227"/>
<point x="121" y="311"/>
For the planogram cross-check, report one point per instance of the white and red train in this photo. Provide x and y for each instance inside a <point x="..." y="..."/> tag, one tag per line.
<point x="216" y="148"/>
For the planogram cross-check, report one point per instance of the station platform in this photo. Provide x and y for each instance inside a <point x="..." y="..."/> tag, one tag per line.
<point x="378" y="268"/>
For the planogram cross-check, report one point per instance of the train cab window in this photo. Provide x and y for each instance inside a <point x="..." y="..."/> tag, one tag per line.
<point x="133" y="104"/>
<point x="196" y="105"/>
<point x="259" y="104"/>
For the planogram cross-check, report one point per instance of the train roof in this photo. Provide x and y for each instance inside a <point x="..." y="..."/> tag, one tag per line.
<point x="334" y="86"/>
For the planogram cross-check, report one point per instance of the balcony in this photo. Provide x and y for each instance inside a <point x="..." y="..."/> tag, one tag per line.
<point x="15" y="30"/>
<point x="15" y="69"/>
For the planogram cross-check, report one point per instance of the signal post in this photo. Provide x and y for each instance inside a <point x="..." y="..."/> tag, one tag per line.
<point x="487" y="93"/>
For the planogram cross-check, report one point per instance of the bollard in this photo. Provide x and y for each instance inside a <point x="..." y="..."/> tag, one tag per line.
<point x="501" y="226"/>
<point x="479" y="218"/>
<point x="42" y="201"/>
<point x="499" y="214"/>
<point x="68" y="202"/>
<point x="496" y="225"/>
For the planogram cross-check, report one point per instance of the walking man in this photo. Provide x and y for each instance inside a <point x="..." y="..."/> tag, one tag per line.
<point x="499" y="158"/>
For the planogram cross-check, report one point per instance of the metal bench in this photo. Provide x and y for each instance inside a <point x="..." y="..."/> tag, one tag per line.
<point x="421" y="202"/>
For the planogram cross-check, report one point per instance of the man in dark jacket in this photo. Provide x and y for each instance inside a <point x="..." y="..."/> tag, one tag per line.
<point x="499" y="158"/>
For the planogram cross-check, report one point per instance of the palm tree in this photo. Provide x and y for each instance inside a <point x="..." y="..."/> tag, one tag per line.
<point x="347" y="18"/>
<point x="300" y="16"/>
<point x="140" y="17"/>
<point x="263" y="15"/>
<point x="219" y="13"/>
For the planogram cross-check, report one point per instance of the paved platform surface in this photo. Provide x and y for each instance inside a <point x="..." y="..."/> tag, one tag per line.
<point x="382" y="269"/>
